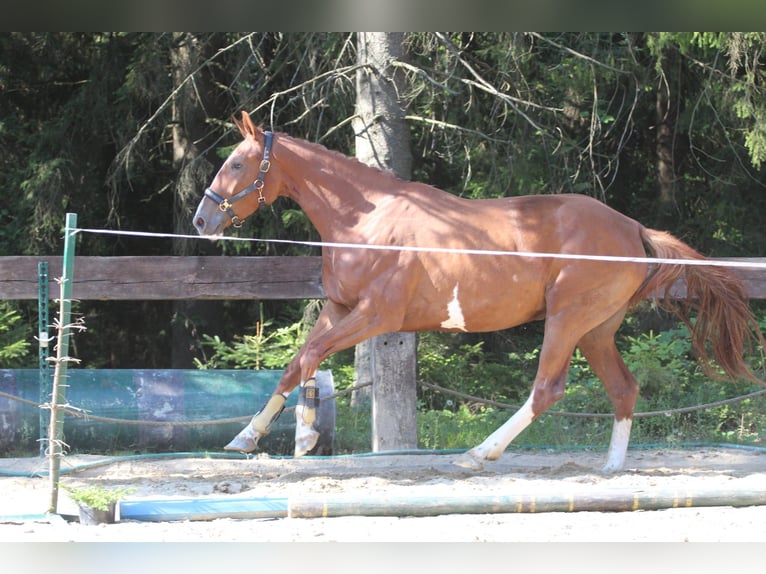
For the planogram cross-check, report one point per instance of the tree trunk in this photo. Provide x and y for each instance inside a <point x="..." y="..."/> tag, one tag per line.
<point x="383" y="141"/>
<point x="193" y="173"/>
<point x="666" y="110"/>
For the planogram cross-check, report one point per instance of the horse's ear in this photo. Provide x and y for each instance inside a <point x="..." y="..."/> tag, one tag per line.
<point x="246" y="126"/>
<point x="239" y="125"/>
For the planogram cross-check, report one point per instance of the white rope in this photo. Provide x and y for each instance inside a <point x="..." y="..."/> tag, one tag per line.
<point x="613" y="258"/>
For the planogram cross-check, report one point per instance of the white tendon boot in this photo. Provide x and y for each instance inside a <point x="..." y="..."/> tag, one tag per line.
<point x="306" y="436"/>
<point x="260" y="425"/>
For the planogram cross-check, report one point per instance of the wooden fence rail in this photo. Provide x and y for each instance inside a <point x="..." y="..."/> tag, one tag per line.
<point x="213" y="277"/>
<point x="152" y="278"/>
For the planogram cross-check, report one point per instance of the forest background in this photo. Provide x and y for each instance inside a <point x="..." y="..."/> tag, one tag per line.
<point x="127" y="129"/>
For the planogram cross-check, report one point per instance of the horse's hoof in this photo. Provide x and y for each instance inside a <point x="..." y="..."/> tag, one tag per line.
<point x="305" y="439"/>
<point x="470" y="461"/>
<point x="245" y="441"/>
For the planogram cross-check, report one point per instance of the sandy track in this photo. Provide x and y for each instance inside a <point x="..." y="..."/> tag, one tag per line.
<point x="374" y="477"/>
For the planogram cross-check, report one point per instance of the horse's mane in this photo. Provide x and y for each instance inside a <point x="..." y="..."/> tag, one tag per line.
<point x="336" y="156"/>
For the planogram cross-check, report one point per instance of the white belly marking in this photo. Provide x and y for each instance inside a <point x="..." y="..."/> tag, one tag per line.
<point x="455" y="319"/>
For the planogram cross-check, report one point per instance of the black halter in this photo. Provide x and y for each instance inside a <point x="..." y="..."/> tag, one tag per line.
<point x="257" y="185"/>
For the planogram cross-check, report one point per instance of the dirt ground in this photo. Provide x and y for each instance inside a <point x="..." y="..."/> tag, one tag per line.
<point x="540" y="473"/>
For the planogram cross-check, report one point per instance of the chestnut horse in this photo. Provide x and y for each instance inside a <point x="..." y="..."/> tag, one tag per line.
<point x="375" y="291"/>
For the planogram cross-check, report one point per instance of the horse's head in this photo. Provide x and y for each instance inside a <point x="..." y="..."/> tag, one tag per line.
<point x="242" y="185"/>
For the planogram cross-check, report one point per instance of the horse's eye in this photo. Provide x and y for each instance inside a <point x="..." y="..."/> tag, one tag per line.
<point x="236" y="165"/>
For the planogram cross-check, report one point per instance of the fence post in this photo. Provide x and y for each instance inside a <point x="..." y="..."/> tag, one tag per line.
<point x="393" y="359"/>
<point x="43" y="320"/>
<point x="58" y="394"/>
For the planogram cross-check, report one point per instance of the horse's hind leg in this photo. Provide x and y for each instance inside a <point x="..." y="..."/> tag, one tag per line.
<point x="599" y="349"/>
<point x="571" y="319"/>
<point x="548" y="388"/>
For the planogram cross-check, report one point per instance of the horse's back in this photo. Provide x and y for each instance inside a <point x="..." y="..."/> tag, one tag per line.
<point x="566" y="223"/>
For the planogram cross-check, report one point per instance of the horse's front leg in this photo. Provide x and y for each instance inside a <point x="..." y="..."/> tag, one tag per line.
<point x="305" y="435"/>
<point x="260" y="425"/>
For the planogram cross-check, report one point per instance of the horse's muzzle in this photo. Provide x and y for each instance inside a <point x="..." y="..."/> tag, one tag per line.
<point x="208" y="219"/>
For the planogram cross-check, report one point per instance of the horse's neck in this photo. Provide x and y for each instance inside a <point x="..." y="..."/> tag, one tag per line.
<point x="335" y="192"/>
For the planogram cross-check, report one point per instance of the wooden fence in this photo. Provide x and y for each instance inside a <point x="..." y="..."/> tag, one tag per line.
<point x="215" y="277"/>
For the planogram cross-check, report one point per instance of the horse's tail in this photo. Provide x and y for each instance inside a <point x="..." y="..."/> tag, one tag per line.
<point x="716" y="296"/>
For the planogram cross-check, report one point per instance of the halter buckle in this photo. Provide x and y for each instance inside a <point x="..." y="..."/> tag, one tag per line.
<point x="224" y="205"/>
<point x="265" y="165"/>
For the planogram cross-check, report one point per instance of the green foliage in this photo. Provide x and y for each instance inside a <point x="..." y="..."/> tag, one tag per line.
<point x="749" y="108"/>
<point x="663" y="363"/>
<point x="96" y="496"/>
<point x="266" y="349"/>
<point x="14" y="338"/>
<point x="444" y="360"/>
<point x="458" y="428"/>
<point x="353" y="427"/>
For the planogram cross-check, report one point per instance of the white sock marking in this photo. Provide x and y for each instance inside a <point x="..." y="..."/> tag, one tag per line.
<point x="496" y="443"/>
<point x="618" y="445"/>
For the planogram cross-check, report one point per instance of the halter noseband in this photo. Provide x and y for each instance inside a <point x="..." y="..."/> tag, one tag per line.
<point x="226" y="204"/>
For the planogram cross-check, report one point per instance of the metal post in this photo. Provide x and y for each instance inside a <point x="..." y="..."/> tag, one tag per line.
<point x="43" y="320"/>
<point x="58" y="394"/>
